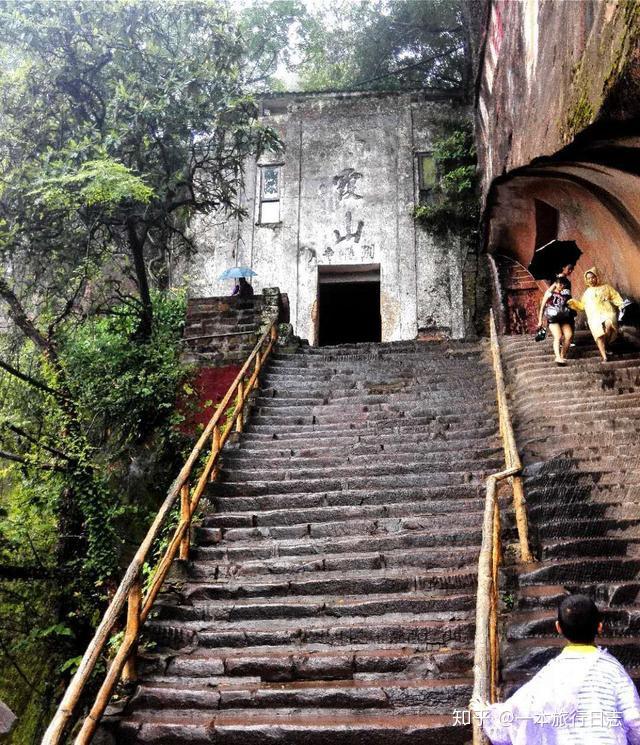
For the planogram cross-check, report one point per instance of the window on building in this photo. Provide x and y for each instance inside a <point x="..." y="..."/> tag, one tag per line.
<point x="427" y="175"/>
<point x="270" y="191"/>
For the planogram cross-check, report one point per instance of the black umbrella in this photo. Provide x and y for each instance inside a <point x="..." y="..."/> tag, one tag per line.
<point x="549" y="259"/>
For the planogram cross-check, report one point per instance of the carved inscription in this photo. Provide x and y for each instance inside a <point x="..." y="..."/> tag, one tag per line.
<point x="345" y="183"/>
<point x="349" y="233"/>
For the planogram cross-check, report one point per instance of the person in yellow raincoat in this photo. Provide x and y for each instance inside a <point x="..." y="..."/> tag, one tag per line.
<point x="600" y="302"/>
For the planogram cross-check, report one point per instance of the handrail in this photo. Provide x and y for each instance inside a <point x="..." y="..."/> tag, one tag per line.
<point x="130" y="588"/>
<point x="486" y="649"/>
<point x="511" y="455"/>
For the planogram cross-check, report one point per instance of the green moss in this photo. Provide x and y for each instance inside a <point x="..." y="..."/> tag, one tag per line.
<point x="579" y="116"/>
<point x="630" y="10"/>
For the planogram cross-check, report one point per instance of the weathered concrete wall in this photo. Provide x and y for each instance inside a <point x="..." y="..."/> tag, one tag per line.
<point x="349" y="185"/>
<point x="551" y="68"/>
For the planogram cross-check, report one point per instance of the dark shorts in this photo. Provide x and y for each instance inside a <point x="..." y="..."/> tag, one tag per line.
<point x="562" y="318"/>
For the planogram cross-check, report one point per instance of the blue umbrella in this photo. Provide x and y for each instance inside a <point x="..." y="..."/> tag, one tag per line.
<point x="237" y="271"/>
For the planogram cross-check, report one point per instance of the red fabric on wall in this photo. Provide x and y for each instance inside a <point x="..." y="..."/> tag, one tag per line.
<point x="209" y="385"/>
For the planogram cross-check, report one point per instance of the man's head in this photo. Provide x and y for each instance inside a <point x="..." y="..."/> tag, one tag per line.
<point x="578" y="619"/>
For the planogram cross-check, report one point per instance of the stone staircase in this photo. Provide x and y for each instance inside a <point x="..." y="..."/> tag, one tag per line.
<point x="577" y="429"/>
<point x="330" y="596"/>
<point x="221" y="330"/>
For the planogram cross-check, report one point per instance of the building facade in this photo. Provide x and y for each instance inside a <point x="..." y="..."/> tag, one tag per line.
<point x="330" y="220"/>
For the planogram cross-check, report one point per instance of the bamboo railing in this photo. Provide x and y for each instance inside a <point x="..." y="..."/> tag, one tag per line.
<point x="188" y="490"/>
<point x="487" y="651"/>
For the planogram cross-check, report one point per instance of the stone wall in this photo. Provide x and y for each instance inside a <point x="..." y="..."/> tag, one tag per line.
<point x="349" y="184"/>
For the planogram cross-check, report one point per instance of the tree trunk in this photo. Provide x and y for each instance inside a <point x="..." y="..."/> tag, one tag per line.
<point x="136" y="246"/>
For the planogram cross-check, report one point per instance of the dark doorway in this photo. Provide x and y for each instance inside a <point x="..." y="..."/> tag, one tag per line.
<point x="547" y="219"/>
<point x="349" y="312"/>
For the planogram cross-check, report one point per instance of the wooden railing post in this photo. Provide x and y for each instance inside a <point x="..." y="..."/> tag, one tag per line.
<point x="512" y="458"/>
<point x="185" y="516"/>
<point x="240" y="407"/>
<point x="256" y="370"/>
<point x="215" y="449"/>
<point x="496" y="560"/>
<point x="134" y="605"/>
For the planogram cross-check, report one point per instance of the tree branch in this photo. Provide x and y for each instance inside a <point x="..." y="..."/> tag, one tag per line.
<point x="31" y="381"/>
<point x="23" y="322"/>
<point x="31" y="464"/>
<point x="23" y="433"/>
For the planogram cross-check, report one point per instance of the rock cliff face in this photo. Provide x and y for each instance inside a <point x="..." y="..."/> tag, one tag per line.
<point x="558" y="129"/>
<point x="548" y="71"/>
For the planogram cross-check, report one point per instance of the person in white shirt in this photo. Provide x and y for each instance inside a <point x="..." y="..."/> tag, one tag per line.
<point x="582" y="697"/>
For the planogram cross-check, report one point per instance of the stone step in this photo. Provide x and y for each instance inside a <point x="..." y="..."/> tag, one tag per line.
<point x="379" y="351"/>
<point x="540" y="596"/>
<point x="417" y="424"/>
<point x="618" y="622"/>
<point x="332" y="457"/>
<point x="344" y="524"/>
<point x="608" y="593"/>
<point x="587" y="570"/>
<point x="584" y="547"/>
<point x="331" y="384"/>
<point x="278" y="400"/>
<point x="315" y="394"/>
<point x="415" y="694"/>
<point x="330" y="413"/>
<point x="446" y="463"/>
<point x="348" y="583"/>
<point x="237" y="551"/>
<point x="443" y="477"/>
<point x="528" y="655"/>
<point x="364" y="497"/>
<point x="615" y="528"/>
<point x="420" y="440"/>
<point x="601" y="416"/>
<point x="150" y="727"/>
<point x="309" y="662"/>
<point x="456" y="629"/>
<point x="318" y="606"/>
<point x="440" y="558"/>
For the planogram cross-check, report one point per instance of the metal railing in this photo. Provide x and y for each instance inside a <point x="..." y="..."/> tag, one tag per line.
<point x="487" y="651"/>
<point x="139" y="602"/>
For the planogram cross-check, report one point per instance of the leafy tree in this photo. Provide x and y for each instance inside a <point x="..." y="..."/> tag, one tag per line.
<point x="388" y="45"/>
<point x="120" y="120"/>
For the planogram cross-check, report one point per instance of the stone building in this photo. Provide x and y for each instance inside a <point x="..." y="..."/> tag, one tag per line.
<point x="330" y="220"/>
<point x="558" y="132"/>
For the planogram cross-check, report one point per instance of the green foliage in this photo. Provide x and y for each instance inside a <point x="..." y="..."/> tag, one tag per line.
<point x="124" y="393"/>
<point x="386" y="45"/>
<point x="125" y="389"/>
<point x="452" y="204"/>
<point x="102" y="182"/>
<point x="265" y="29"/>
<point x="118" y="143"/>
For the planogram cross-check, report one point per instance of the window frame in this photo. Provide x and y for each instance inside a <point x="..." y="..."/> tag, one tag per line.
<point x="421" y="156"/>
<point x="269" y="198"/>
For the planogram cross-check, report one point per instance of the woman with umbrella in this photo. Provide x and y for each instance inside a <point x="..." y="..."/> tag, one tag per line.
<point x="242" y="288"/>
<point x="600" y="302"/>
<point x="559" y="316"/>
<point x="240" y="273"/>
